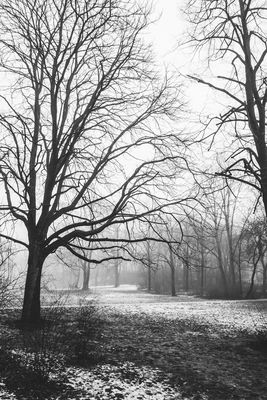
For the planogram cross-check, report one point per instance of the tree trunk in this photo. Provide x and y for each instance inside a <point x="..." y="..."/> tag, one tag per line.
<point x="172" y="266"/>
<point x="31" y="312"/>
<point x="149" y="278"/>
<point x="263" y="291"/>
<point x="229" y="234"/>
<point x="239" y="270"/>
<point x="220" y="266"/>
<point x="202" y="271"/>
<point x="255" y="264"/>
<point x="117" y="275"/>
<point x="75" y="284"/>
<point x="240" y="279"/>
<point x="96" y="276"/>
<point x="173" y="289"/>
<point x="86" y="275"/>
<point x="186" y="277"/>
<point x="251" y="286"/>
<point x="264" y="280"/>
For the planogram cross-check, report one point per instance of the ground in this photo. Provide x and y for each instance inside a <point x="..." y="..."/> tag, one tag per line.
<point x="158" y="347"/>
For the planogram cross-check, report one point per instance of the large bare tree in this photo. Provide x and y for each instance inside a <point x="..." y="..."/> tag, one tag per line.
<point x="85" y="137"/>
<point x="233" y="35"/>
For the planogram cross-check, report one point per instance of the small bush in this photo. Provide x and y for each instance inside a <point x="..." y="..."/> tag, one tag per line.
<point x="65" y="336"/>
<point x="34" y="358"/>
<point x="87" y="327"/>
<point x="10" y="295"/>
<point x="40" y="349"/>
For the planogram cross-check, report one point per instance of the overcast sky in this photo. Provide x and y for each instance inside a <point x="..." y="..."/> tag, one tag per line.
<point x="165" y="35"/>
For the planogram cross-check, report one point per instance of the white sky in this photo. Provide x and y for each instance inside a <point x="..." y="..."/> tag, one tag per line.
<point x="165" y="35"/>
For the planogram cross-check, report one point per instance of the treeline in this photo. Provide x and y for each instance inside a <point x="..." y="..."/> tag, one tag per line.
<point x="221" y="252"/>
<point x="217" y="250"/>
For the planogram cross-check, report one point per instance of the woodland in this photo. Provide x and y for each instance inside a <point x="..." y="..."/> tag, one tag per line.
<point x="133" y="202"/>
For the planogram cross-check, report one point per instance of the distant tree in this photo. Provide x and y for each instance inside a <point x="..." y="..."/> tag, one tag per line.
<point x="77" y="265"/>
<point x="147" y="257"/>
<point x="255" y="238"/>
<point x="85" y="139"/>
<point x="215" y="234"/>
<point x="8" y="280"/>
<point x="233" y="32"/>
<point x="169" y="253"/>
<point x="86" y="274"/>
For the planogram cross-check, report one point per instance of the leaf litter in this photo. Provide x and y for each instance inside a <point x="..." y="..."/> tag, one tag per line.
<point x="158" y="347"/>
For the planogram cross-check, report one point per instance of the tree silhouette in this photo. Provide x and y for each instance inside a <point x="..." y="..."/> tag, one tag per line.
<point x="86" y="141"/>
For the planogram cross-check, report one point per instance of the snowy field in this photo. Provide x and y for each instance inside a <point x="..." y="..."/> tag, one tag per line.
<point x="162" y="348"/>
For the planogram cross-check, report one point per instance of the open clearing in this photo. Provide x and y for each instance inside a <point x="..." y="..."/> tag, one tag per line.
<point x="159" y="347"/>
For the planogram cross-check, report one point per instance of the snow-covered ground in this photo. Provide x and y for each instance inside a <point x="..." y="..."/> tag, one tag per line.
<point x="248" y="315"/>
<point x="158" y="347"/>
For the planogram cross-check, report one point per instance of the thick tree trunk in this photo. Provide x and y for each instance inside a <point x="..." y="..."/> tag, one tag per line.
<point x="31" y="312"/>
<point x="86" y="275"/>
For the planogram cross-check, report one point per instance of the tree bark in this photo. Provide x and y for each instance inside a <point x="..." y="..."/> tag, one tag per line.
<point x="86" y="275"/>
<point x="117" y="275"/>
<point x="220" y="266"/>
<point x="149" y="287"/>
<point x="31" y="312"/>
<point x="173" y="289"/>
<point x="251" y="286"/>
<point x="255" y="265"/>
<point x="264" y="280"/>
<point x="239" y="270"/>
<point x="186" y="276"/>
<point x="263" y="291"/>
<point x="149" y="277"/>
<point x="231" y="252"/>
<point x="172" y="266"/>
<point x="202" y="271"/>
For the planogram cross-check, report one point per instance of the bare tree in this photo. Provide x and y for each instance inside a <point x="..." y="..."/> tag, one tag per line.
<point x="234" y="34"/>
<point x="256" y="247"/>
<point x="9" y="281"/>
<point x="169" y="254"/>
<point x="77" y="265"/>
<point x="215" y="233"/>
<point x="84" y="144"/>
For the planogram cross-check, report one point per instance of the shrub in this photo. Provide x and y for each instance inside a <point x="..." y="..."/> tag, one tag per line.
<point x="34" y="358"/>
<point x="41" y="351"/>
<point x="87" y="323"/>
<point x="10" y="295"/>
